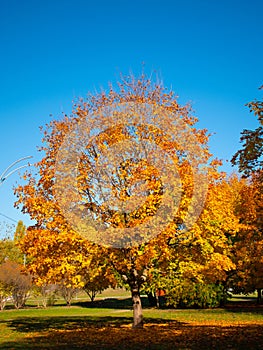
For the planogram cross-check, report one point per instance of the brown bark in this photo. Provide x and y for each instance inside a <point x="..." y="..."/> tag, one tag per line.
<point x="137" y="309"/>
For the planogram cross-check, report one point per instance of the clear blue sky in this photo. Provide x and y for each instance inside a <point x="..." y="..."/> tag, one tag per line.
<point x="52" y="51"/>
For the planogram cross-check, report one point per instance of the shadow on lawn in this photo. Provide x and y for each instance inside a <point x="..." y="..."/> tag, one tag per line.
<point x="246" y="305"/>
<point x="110" y="303"/>
<point x="115" y="303"/>
<point x="57" y="333"/>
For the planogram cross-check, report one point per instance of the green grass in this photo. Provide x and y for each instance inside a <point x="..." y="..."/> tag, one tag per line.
<point x="106" y="324"/>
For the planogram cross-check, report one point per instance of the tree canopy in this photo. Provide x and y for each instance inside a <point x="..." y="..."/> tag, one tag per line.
<point x="127" y="181"/>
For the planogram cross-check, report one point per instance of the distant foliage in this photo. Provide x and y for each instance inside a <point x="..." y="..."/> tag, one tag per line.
<point x="249" y="157"/>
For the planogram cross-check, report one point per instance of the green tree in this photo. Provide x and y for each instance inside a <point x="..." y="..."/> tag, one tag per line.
<point x="249" y="157"/>
<point x="10" y="251"/>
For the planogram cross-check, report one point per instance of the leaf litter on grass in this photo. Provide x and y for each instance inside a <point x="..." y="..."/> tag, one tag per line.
<point x="154" y="336"/>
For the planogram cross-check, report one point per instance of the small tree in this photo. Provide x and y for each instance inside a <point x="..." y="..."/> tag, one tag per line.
<point x="14" y="280"/>
<point x="46" y="292"/>
<point x="68" y="293"/>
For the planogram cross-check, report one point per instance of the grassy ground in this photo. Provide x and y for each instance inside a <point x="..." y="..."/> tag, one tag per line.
<point x="107" y="325"/>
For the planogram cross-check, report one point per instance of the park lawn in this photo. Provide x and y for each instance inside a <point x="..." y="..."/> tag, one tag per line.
<point x="97" y="327"/>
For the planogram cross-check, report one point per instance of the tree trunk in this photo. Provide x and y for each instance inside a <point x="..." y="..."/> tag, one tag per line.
<point x="137" y="309"/>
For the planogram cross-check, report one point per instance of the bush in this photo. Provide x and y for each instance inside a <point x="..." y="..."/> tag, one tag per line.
<point x="196" y="295"/>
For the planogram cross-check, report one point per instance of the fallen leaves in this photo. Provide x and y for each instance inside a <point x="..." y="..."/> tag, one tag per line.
<point x="163" y="335"/>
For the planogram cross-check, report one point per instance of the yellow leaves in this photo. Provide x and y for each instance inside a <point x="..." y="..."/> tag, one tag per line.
<point x="123" y="187"/>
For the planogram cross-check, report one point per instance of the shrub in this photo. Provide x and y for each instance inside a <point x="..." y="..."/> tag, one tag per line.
<point x="200" y="295"/>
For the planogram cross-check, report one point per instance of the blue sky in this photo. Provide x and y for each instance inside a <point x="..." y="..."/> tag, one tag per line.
<point x="209" y="52"/>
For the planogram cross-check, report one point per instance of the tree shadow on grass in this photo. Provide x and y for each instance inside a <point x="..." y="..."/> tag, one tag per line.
<point x="112" y="303"/>
<point x="43" y="324"/>
<point x="247" y="305"/>
<point x="233" y="305"/>
<point x="108" y="303"/>
<point x="112" y="333"/>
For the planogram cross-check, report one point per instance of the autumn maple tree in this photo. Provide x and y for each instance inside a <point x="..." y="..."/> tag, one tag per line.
<point x="247" y="244"/>
<point x="119" y="192"/>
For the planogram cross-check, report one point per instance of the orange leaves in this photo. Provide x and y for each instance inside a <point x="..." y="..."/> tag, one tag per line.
<point x="247" y="247"/>
<point x="121" y="188"/>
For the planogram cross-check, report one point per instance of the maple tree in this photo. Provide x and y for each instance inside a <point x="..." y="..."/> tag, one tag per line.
<point x="123" y="182"/>
<point x="248" y="245"/>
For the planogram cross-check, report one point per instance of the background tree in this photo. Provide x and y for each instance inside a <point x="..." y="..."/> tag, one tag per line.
<point x="12" y="279"/>
<point x="20" y="231"/>
<point x="248" y="243"/>
<point x="249" y="157"/>
<point x="10" y="251"/>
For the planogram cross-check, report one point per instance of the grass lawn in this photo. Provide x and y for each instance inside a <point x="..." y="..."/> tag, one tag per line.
<point x="107" y="325"/>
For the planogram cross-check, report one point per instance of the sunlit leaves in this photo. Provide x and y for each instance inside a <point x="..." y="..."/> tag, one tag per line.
<point x="115" y="215"/>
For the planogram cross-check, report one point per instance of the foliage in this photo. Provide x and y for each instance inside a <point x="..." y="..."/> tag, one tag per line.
<point x="198" y="295"/>
<point x="203" y="259"/>
<point x="10" y="251"/>
<point x="20" y="231"/>
<point x="247" y="245"/>
<point x="101" y="278"/>
<point x="63" y="251"/>
<point x="249" y="157"/>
